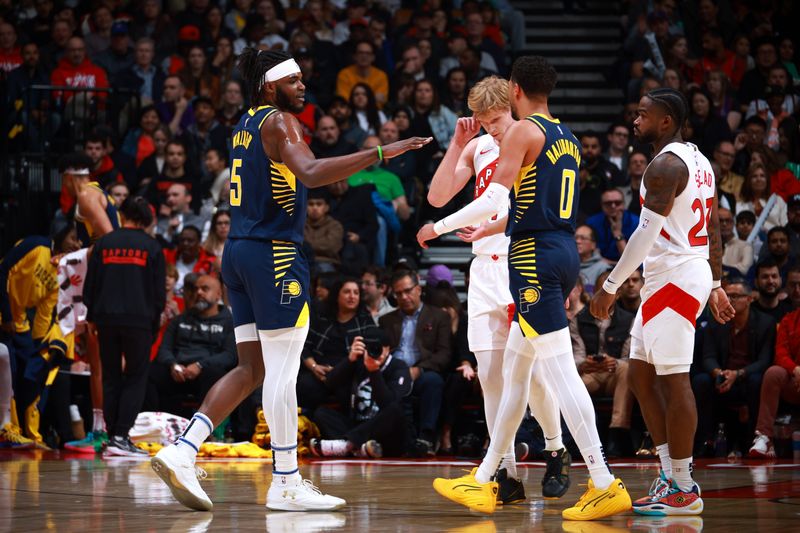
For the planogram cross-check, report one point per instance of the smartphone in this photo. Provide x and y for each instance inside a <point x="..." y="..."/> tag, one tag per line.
<point x="598" y="358"/>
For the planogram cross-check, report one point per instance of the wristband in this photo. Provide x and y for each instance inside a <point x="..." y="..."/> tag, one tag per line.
<point x="716" y="284"/>
<point x="380" y="153"/>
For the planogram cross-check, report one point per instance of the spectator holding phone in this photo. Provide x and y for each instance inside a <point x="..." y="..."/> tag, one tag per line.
<point x="601" y="349"/>
<point x="735" y="356"/>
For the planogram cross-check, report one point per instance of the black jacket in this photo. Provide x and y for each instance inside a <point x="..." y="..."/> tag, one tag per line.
<point x="761" y="337"/>
<point x="370" y="391"/>
<point x="190" y="338"/>
<point x="615" y="336"/>
<point x="356" y="212"/>
<point x="125" y="280"/>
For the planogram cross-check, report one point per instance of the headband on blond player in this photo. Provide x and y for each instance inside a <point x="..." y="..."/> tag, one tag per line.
<point x="281" y="70"/>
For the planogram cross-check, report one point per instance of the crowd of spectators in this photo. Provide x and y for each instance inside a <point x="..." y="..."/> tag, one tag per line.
<point x="386" y="359"/>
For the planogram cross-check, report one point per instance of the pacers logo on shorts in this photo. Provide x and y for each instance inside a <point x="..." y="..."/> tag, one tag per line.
<point x="290" y="289"/>
<point x="528" y="296"/>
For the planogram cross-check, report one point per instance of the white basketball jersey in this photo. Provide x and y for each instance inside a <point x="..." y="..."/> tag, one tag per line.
<point x="685" y="232"/>
<point x="487" y="154"/>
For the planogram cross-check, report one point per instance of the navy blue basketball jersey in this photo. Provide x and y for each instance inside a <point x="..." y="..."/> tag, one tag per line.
<point x="86" y="233"/>
<point x="267" y="201"/>
<point x="545" y="195"/>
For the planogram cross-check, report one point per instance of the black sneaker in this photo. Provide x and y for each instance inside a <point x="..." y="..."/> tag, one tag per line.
<point x="510" y="490"/>
<point x="424" y="448"/>
<point x="556" y="478"/>
<point x="122" y="446"/>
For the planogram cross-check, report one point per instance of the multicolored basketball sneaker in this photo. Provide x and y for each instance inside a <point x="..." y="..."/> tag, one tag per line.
<point x="658" y="485"/>
<point x="672" y="501"/>
<point x="93" y="443"/>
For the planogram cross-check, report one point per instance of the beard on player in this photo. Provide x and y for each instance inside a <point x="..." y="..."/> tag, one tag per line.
<point x="290" y="102"/>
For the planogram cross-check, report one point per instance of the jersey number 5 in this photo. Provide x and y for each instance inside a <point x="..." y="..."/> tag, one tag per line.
<point x="567" y="193"/>
<point x="236" y="183"/>
<point x="702" y="224"/>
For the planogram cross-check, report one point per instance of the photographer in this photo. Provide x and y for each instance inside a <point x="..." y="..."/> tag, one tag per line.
<point x="373" y="421"/>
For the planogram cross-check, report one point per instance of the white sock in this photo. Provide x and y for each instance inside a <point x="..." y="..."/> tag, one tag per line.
<point x="517" y="365"/>
<point x="509" y="462"/>
<point x="98" y="421"/>
<point x="663" y="456"/>
<point x="544" y="408"/>
<point x="196" y="433"/>
<point x="682" y="473"/>
<point x="554" y="353"/>
<point x="281" y="350"/>
<point x="6" y="392"/>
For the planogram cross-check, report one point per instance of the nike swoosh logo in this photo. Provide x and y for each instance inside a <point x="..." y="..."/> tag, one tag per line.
<point x="597" y="500"/>
<point x="485" y="151"/>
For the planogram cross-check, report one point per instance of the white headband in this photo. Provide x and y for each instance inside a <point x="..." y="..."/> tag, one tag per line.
<point x="281" y="70"/>
<point x="78" y="171"/>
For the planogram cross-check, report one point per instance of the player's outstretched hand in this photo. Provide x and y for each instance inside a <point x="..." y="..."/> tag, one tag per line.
<point x="720" y="306"/>
<point x="466" y="129"/>
<point x="401" y="147"/>
<point x="601" y="304"/>
<point x="425" y="234"/>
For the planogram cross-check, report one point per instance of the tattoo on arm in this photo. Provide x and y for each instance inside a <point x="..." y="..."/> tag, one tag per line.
<point x="665" y="178"/>
<point x="715" y="242"/>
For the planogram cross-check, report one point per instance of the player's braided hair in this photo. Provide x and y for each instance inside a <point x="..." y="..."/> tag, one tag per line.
<point x="673" y="102"/>
<point x="74" y="160"/>
<point x="253" y="64"/>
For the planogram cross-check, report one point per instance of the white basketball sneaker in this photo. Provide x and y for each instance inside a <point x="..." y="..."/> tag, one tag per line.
<point x="301" y="495"/>
<point x="181" y="476"/>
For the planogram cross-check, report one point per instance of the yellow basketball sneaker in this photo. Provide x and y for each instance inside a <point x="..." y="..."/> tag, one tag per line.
<point x="467" y="491"/>
<point x="597" y="503"/>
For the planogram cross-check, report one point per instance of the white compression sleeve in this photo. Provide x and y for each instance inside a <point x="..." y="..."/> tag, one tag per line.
<point x="493" y="200"/>
<point x="650" y="224"/>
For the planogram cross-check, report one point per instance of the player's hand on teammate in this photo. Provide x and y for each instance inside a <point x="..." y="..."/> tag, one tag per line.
<point x="472" y="233"/>
<point x="466" y="370"/>
<point x="466" y="129"/>
<point x="720" y="306"/>
<point x="400" y="147"/>
<point x="601" y="304"/>
<point x="425" y="234"/>
<point x="357" y="349"/>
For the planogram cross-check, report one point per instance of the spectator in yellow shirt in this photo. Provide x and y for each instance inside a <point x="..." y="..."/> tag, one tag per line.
<point x="363" y="71"/>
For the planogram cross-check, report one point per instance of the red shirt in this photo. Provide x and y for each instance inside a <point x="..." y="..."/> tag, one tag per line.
<point x="9" y="60"/>
<point x="87" y="74"/>
<point x="203" y="265"/>
<point x="787" y="343"/>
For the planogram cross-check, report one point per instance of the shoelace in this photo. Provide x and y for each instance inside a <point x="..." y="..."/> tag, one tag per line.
<point x="310" y="486"/>
<point x="200" y="473"/>
<point x="663" y="491"/>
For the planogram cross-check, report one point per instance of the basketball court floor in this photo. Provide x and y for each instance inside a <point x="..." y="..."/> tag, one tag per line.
<point x="44" y="491"/>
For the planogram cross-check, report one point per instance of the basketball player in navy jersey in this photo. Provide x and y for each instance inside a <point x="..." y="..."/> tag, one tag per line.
<point x="267" y="278"/>
<point x="541" y="158"/>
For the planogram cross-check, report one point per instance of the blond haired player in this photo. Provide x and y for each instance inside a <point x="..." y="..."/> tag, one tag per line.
<point x="489" y="300"/>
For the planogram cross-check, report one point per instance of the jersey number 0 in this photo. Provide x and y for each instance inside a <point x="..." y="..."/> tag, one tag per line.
<point x="567" y="193"/>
